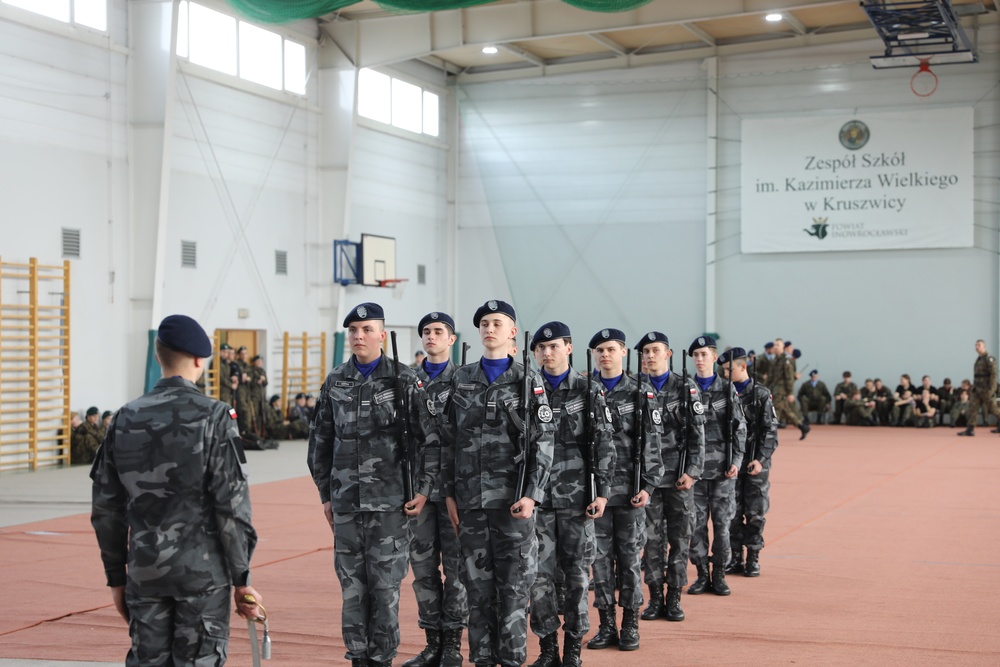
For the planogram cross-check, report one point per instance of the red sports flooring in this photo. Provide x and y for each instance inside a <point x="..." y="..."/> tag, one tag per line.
<point x="883" y="548"/>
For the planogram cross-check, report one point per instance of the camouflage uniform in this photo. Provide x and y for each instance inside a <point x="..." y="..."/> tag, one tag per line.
<point x="781" y="379"/>
<point x="355" y="461"/>
<point x="246" y="414"/>
<point x="565" y="532"/>
<point x="441" y="605"/>
<point x="847" y="389"/>
<point x="275" y="424"/>
<point x="858" y="412"/>
<point x="258" y="395"/>
<point x="621" y="532"/>
<point x="752" y="499"/>
<point x="670" y="512"/>
<point x="84" y="441"/>
<point x="171" y="510"/>
<point x="984" y="386"/>
<point x="715" y="494"/>
<point x="480" y="470"/>
<point x="814" y="398"/>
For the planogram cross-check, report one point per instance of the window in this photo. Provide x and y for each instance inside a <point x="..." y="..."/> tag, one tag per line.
<point x="281" y="262"/>
<point x="89" y="13"/>
<point x="70" y="242"/>
<point x="225" y="44"/>
<point x="189" y="254"/>
<point x="398" y="103"/>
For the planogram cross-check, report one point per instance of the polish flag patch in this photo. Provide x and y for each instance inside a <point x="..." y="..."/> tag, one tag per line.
<point x="232" y="413"/>
<point x="539" y="390"/>
<point x="694" y="391"/>
<point x="649" y="394"/>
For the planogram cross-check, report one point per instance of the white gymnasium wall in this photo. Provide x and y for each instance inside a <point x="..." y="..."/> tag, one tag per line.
<point x="63" y="163"/>
<point x="584" y="196"/>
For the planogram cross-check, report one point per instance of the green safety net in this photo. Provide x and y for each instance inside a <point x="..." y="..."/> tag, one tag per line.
<point x="283" y="11"/>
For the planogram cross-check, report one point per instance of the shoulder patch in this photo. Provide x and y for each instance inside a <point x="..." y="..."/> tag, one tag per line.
<point x="344" y="383"/>
<point x="232" y="413"/>
<point x="544" y="414"/>
<point x="698" y="408"/>
<point x="431" y="408"/>
<point x="607" y="413"/>
<point x="656" y="417"/>
<point x="539" y="390"/>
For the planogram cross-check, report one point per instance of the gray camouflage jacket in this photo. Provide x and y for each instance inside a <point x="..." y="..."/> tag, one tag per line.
<point x="170" y="498"/>
<point x="568" y="487"/>
<point x="482" y="458"/>
<point x="762" y="422"/>
<point x="715" y="400"/>
<point x="354" y="454"/>
<point x="621" y="407"/>
<point x="439" y="392"/>
<point x="676" y="401"/>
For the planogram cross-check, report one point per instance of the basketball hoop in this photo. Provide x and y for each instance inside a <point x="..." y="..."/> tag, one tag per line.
<point x="924" y="82"/>
<point x="391" y="282"/>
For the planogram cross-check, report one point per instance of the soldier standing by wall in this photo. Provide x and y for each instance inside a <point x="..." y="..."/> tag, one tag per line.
<point x="984" y="386"/>
<point x="442" y="603"/>
<point x="564" y="522"/>
<point x="481" y="470"/>
<point x="193" y="522"/>
<point x="621" y="532"/>
<point x="715" y="492"/>
<point x="670" y="512"/>
<point x="753" y="484"/>
<point x="356" y="461"/>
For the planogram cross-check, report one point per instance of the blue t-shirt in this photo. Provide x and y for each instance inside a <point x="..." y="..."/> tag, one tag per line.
<point x="494" y="368"/>
<point x="704" y="383"/>
<point x="555" y="380"/>
<point x="611" y="383"/>
<point x="433" y="370"/>
<point x="741" y="386"/>
<point x="366" y="369"/>
<point x="659" y="380"/>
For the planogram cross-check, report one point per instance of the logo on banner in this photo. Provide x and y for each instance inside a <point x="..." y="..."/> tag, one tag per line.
<point x="854" y="135"/>
<point x="818" y="228"/>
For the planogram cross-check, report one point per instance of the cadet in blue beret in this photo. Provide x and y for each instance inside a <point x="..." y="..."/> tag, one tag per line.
<point x="180" y="608"/>
<point x="670" y="511"/>
<point x="715" y="492"/>
<point x="364" y="312"/>
<point x="752" y="484"/>
<point x="492" y="307"/>
<point x="620" y="533"/>
<point x="551" y="331"/>
<point x="442" y="602"/>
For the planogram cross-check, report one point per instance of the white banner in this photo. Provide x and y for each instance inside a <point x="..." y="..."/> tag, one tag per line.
<point x="869" y="181"/>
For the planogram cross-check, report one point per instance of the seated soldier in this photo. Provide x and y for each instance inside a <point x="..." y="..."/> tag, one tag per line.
<point x="902" y="409"/>
<point x="813" y="395"/>
<point x="925" y="410"/>
<point x="883" y="403"/>
<point x="960" y="409"/>
<point x="275" y="424"/>
<point x="946" y="398"/>
<point x="858" y="411"/>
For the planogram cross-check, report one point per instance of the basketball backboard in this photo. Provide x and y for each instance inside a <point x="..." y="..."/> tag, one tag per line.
<point x="377" y="259"/>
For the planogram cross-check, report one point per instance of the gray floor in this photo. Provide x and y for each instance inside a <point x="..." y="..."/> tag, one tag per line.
<point x="26" y="497"/>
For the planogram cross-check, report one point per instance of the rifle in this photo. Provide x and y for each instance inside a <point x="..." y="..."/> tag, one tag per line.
<point x="727" y="432"/>
<point x="403" y="421"/>
<point x="752" y="440"/>
<point x="525" y="444"/>
<point x="465" y="348"/>
<point x="591" y="445"/>
<point x="640" y="436"/>
<point x="685" y="414"/>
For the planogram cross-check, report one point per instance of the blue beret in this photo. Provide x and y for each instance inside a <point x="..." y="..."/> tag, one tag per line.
<point x="768" y="345"/>
<point x="299" y="395"/>
<point x="700" y="342"/>
<point x="604" y="335"/>
<point x="789" y="343"/>
<point x="813" y="372"/>
<point x="182" y="334"/>
<point x="93" y="411"/>
<point x="797" y="353"/>
<point x="364" y="312"/>
<point x="549" y="331"/>
<point x="274" y="398"/>
<point x="106" y="414"/>
<point x="732" y="353"/>
<point x="443" y="318"/>
<point x="493" y="306"/>
<point x="652" y="337"/>
<point x="751" y="352"/>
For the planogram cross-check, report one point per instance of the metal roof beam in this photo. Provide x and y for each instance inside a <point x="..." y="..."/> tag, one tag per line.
<point x="522" y="54"/>
<point x="699" y="33"/>
<point x="611" y="44"/>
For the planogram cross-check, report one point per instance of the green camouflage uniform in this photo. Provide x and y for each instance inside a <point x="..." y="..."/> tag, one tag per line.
<point x="442" y="603"/>
<point x="858" y="412"/>
<point x="85" y="440"/>
<point x="670" y="512"/>
<point x="258" y="394"/>
<point x="814" y="398"/>
<point x="480" y="467"/>
<point x="847" y="389"/>
<point x="984" y="386"/>
<point x="275" y="424"/>
<point x="565" y="533"/>
<point x="752" y="491"/>
<point x="171" y="509"/>
<point x="356" y="463"/>
<point x="246" y="414"/>
<point x="781" y="380"/>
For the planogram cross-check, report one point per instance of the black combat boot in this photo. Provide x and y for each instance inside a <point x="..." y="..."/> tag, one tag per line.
<point x="804" y="427"/>
<point x="629" y="640"/>
<point x="431" y="655"/>
<point x="969" y="430"/>
<point x="655" y="608"/>
<point x="735" y="565"/>
<point x="753" y="566"/>
<point x="359" y="662"/>
<point x="702" y="583"/>
<point x="451" y="648"/>
<point x="549" y="655"/>
<point x="719" y="585"/>
<point x="672" y="606"/>
<point x="607" y="634"/>
<point x="383" y="663"/>
<point x="571" y="650"/>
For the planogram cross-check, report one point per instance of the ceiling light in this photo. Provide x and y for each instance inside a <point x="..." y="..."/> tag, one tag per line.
<point x="489" y="50"/>
<point x="773" y="18"/>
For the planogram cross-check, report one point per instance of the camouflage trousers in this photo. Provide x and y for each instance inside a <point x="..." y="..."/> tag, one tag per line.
<point x="715" y="499"/>
<point x="788" y="413"/>
<point x="983" y="399"/>
<point x="441" y="604"/>
<point x="669" y="516"/>
<point x="179" y="631"/>
<point x="620" y="536"/>
<point x="565" y="542"/>
<point x="246" y="413"/>
<point x="500" y="554"/>
<point x="752" y="503"/>
<point x="370" y="557"/>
